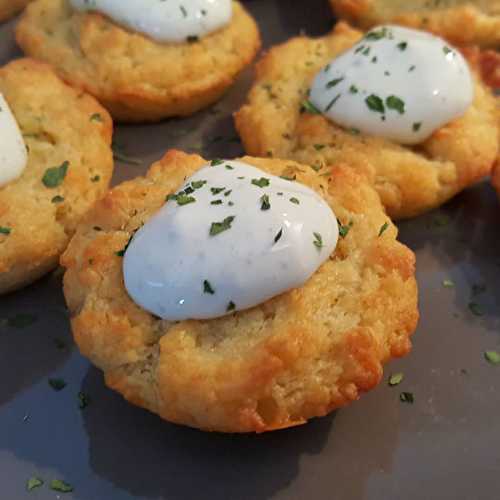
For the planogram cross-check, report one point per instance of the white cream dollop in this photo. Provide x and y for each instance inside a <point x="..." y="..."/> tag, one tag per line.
<point x="246" y="238"/>
<point x="397" y="83"/>
<point x="174" y="21"/>
<point x="13" y="152"/>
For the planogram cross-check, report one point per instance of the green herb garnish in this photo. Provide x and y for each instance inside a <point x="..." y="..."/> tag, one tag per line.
<point x="57" y="199"/>
<point x="383" y="229"/>
<point x="83" y="400"/>
<point x="61" y="486"/>
<point x="265" y="203"/>
<point x="395" y="103"/>
<point x="96" y="117"/>
<point x="375" y="103"/>
<point x="492" y="357"/>
<point x="58" y="384"/>
<point x="294" y="200"/>
<point x="262" y="182"/>
<point x="216" y="162"/>
<point x="54" y="176"/>
<point x="231" y="306"/>
<point x="219" y="227"/>
<point x="207" y="287"/>
<point x="33" y="482"/>
<point x="344" y="230"/>
<point x="406" y="397"/>
<point x="5" y="230"/>
<point x="278" y="236"/>
<point x="333" y="82"/>
<point x="395" y="379"/>
<point x="308" y="106"/>
<point x="318" y="241"/>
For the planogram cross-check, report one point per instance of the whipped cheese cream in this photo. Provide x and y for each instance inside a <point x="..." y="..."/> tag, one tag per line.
<point x="233" y="237"/>
<point x="13" y="152"/>
<point x="174" y="21"/>
<point x="397" y="83"/>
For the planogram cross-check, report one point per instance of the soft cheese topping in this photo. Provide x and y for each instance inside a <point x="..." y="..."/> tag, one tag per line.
<point x="397" y="83"/>
<point x="232" y="238"/>
<point x="13" y="153"/>
<point x="164" y="20"/>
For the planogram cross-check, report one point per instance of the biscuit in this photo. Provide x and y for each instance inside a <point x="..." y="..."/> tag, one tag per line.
<point x="9" y="8"/>
<point x="59" y="124"/>
<point x="299" y="355"/>
<point x="135" y="78"/>
<point x="475" y="22"/>
<point x="410" y="181"/>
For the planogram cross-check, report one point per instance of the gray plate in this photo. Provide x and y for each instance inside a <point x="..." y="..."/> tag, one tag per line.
<point x="444" y="446"/>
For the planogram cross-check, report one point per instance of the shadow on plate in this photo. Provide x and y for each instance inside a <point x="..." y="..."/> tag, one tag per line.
<point x="34" y="339"/>
<point x="463" y="237"/>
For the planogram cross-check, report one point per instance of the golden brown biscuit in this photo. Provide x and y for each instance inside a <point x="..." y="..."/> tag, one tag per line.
<point x="59" y="125"/>
<point x="9" y="8"/>
<point x="135" y="78"/>
<point x="461" y="21"/>
<point x="297" y="356"/>
<point x="410" y="180"/>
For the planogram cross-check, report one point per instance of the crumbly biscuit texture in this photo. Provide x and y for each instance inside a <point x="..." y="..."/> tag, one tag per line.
<point x="134" y="77"/>
<point x="9" y="8"/>
<point x="59" y="125"/>
<point x="463" y="22"/>
<point x="300" y="355"/>
<point x="410" y="180"/>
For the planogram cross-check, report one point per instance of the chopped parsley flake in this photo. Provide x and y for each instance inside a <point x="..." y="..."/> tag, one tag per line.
<point x="57" y="199"/>
<point x="96" y="117"/>
<point x="184" y="199"/>
<point x="231" y="306"/>
<point x="447" y="50"/>
<point x="198" y="184"/>
<point x="265" y="203"/>
<point x="58" y="384"/>
<point x="262" y="182"/>
<point x="476" y="309"/>
<point x="416" y="126"/>
<point x="216" y="162"/>
<point x="54" y="176"/>
<point x="217" y="190"/>
<point x="406" y="397"/>
<point x="395" y="103"/>
<point x="33" y="482"/>
<point x="5" y="230"/>
<point x="207" y="287"/>
<point x="219" y="227"/>
<point x="334" y="82"/>
<point x="378" y="34"/>
<point x="332" y="102"/>
<point x="344" y="230"/>
<point x="61" y="486"/>
<point x="375" y="103"/>
<point x="383" y="229"/>
<point x="83" y="400"/>
<point x="318" y="241"/>
<point x="309" y="107"/>
<point x="402" y="45"/>
<point x="492" y="357"/>
<point x="229" y="167"/>
<point x="353" y="89"/>
<point x="278" y="236"/>
<point x="216" y="202"/>
<point x="395" y="379"/>
<point x="121" y="252"/>
<point x="295" y="200"/>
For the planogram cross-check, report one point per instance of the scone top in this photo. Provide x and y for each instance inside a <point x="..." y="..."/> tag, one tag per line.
<point x="174" y="21"/>
<point x="233" y="237"/>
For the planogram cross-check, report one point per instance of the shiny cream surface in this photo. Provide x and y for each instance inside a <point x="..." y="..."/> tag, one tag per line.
<point x="397" y="83"/>
<point x="13" y="152"/>
<point x="232" y="238"/>
<point x="174" y="21"/>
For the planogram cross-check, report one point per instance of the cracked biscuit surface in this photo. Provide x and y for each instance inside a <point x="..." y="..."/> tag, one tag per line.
<point x="134" y="77"/>
<point x="59" y="124"/>
<point x="410" y="180"/>
<point x="463" y="22"/>
<point x="299" y="355"/>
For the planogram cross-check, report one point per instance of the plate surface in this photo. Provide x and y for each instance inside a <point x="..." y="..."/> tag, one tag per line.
<point x="444" y="446"/>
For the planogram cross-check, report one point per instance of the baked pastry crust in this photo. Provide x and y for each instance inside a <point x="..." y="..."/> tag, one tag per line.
<point x="463" y="22"/>
<point x="59" y="124"/>
<point x="297" y="356"/>
<point x="9" y="8"/>
<point x="410" y="180"/>
<point x="134" y="77"/>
